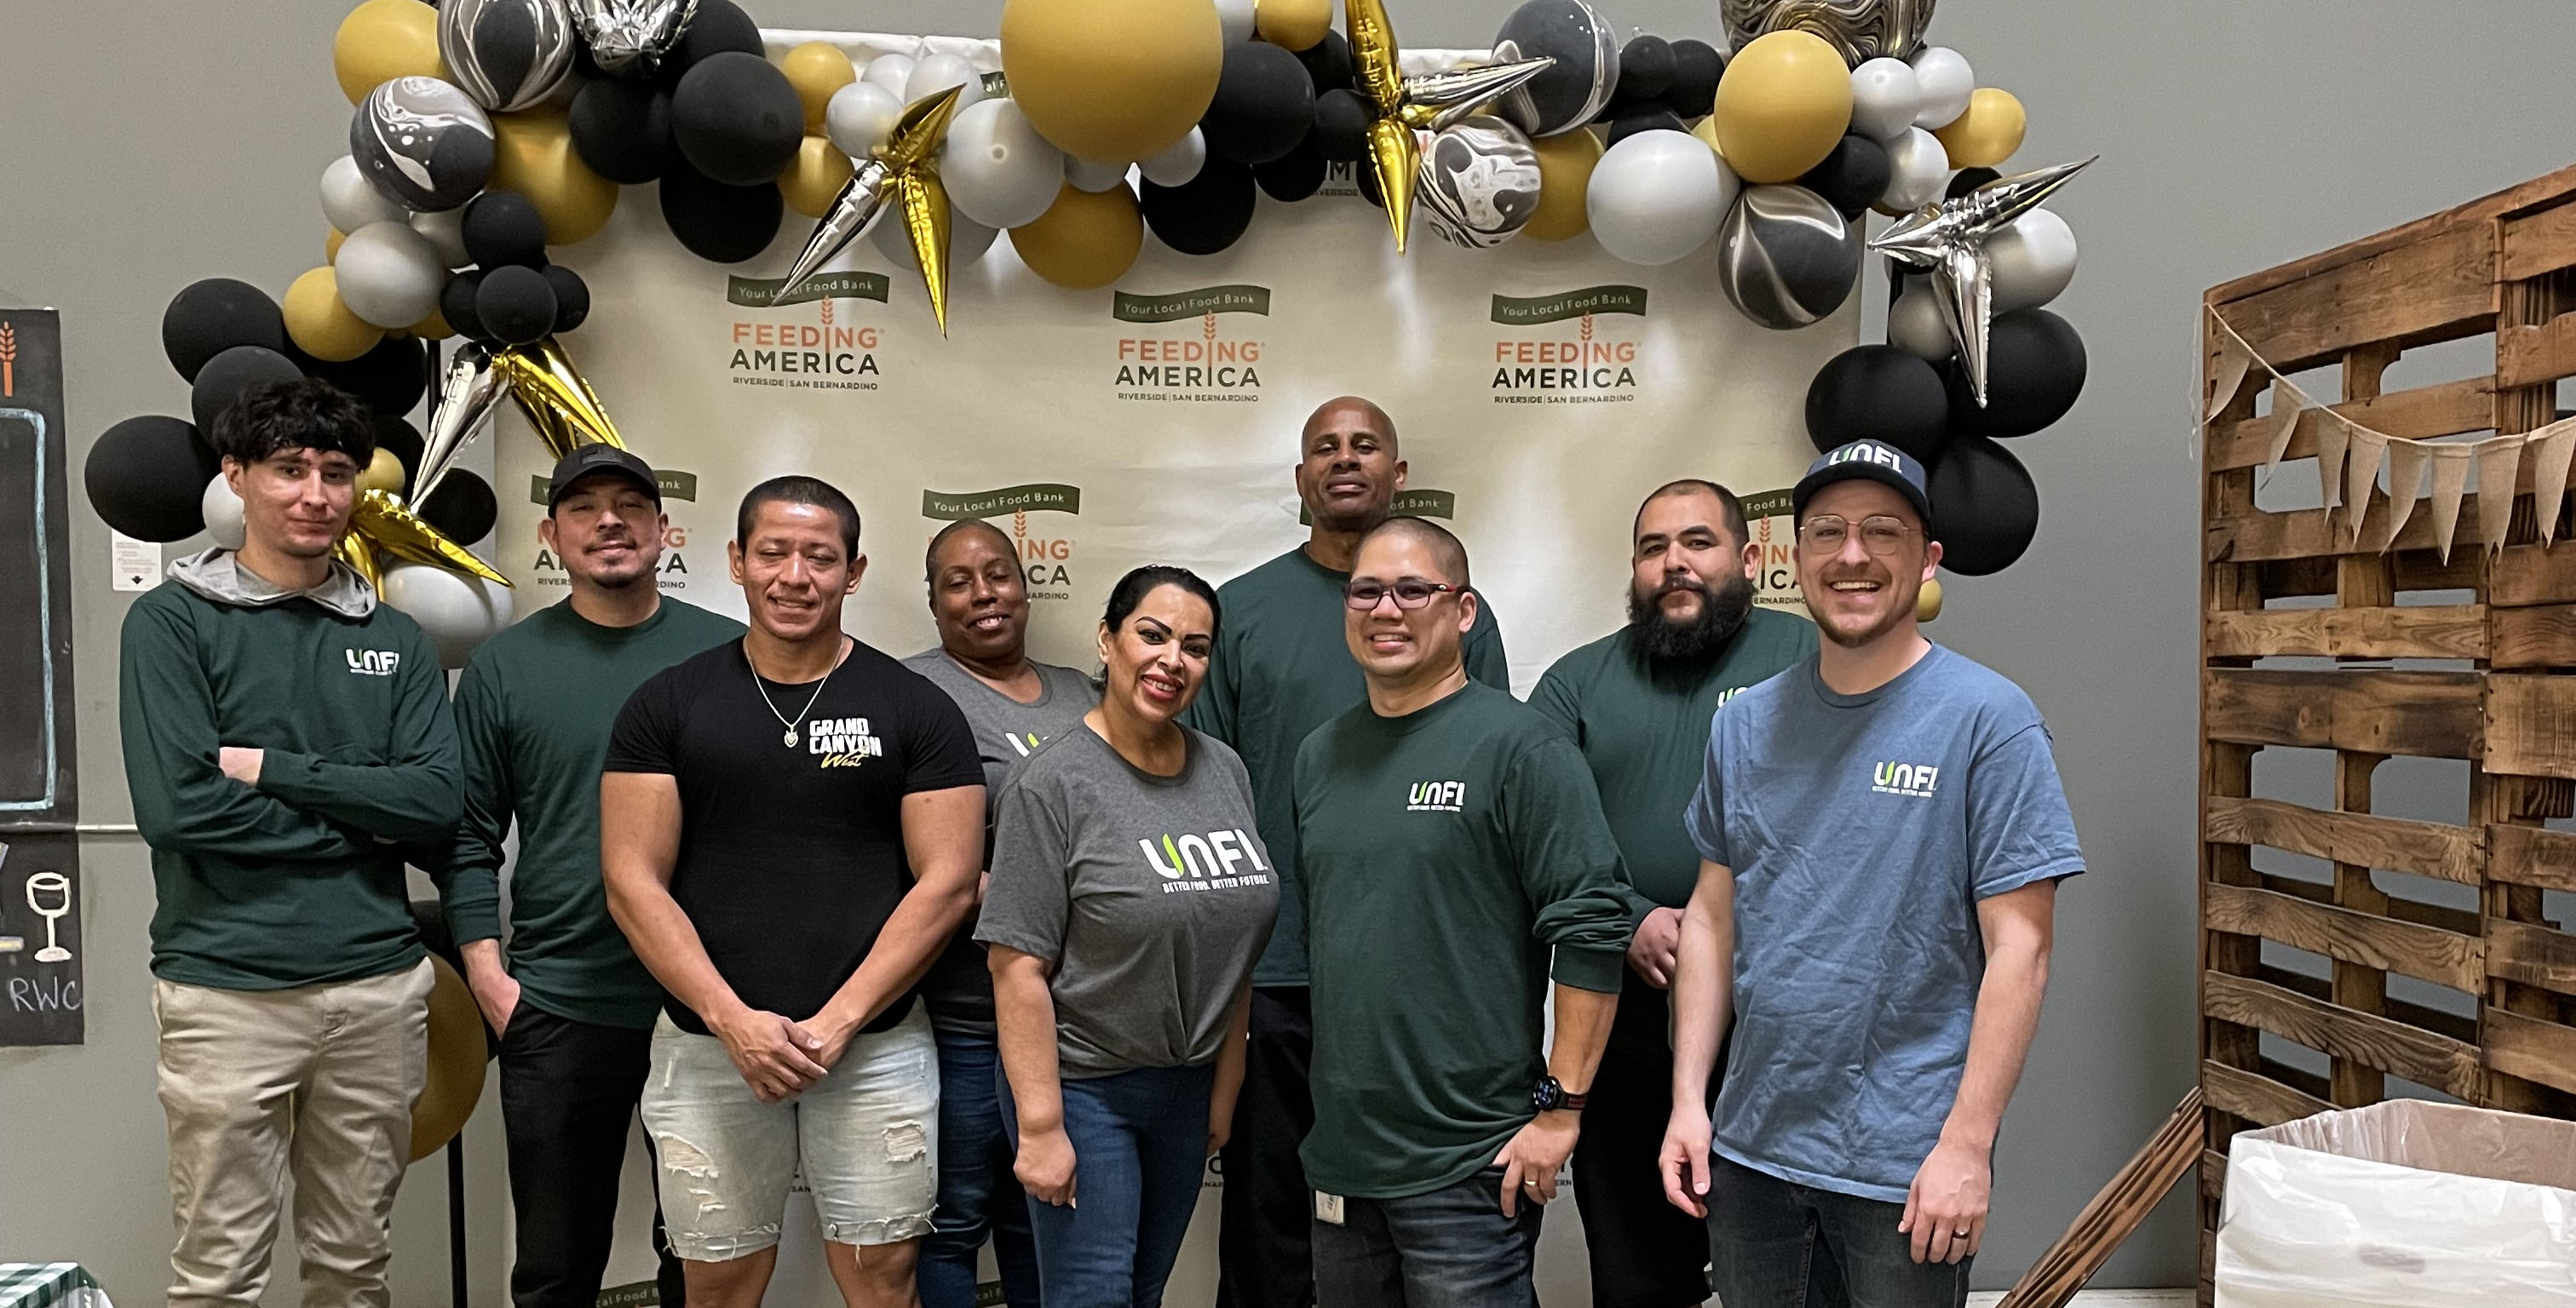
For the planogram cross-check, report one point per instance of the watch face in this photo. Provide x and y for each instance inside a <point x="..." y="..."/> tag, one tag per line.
<point x="1548" y="1095"/>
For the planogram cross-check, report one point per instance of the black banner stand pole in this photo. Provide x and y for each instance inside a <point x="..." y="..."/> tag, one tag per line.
<point x="456" y="1220"/>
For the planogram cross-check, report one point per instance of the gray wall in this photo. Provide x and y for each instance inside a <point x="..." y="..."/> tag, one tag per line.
<point x="145" y="145"/>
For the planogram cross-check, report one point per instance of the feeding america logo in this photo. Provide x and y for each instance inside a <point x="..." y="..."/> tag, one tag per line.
<point x="1045" y="550"/>
<point x="1580" y="363"/>
<point x="825" y="353"/>
<point x="1210" y="365"/>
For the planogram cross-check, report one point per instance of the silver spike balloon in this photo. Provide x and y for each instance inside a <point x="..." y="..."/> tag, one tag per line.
<point x="860" y="200"/>
<point x="1435" y="100"/>
<point x="1948" y="240"/>
<point x="467" y="389"/>
<point x="631" y="36"/>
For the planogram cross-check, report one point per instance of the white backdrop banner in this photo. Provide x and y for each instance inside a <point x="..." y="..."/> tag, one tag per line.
<point x="1539" y="390"/>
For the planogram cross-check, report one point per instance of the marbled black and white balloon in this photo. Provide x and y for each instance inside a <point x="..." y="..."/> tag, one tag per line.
<point x="422" y="142"/>
<point x="1861" y="29"/>
<point x="1786" y="257"/>
<point x="1573" y="89"/>
<point x="1479" y="182"/>
<point x="506" y="54"/>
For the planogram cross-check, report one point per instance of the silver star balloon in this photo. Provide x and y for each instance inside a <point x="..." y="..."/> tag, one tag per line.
<point x="467" y="389"/>
<point x="1948" y="240"/>
<point x="631" y="36"/>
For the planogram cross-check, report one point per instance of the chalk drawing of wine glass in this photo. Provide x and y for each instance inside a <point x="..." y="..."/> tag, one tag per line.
<point x="59" y="887"/>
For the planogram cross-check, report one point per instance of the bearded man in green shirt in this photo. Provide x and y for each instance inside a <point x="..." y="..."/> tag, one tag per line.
<point x="1638" y="703"/>
<point x="1453" y="858"/>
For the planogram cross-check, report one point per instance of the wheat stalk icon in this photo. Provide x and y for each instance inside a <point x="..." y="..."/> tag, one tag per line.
<point x="8" y="359"/>
<point x="827" y="311"/>
<point x="1020" y="526"/>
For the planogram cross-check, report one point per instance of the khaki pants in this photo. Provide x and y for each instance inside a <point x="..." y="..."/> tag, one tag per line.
<point x="316" y="1082"/>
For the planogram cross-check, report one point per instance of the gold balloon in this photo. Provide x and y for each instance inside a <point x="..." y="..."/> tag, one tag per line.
<point x="1927" y="602"/>
<point x="382" y="40"/>
<point x="1988" y="133"/>
<point x="532" y="154"/>
<point x="1564" y="172"/>
<point x="457" y="1056"/>
<point x="922" y="203"/>
<point x="383" y="472"/>
<point x="433" y="328"/>
<point x="1292" y="24"/>
<point x="395" y="530"/>
<point x="353" y="549"/>
<point x="816" y="69"/>
<point x="1085" y="239"/>
<point x="1706" y="130"/>
<point x="322" y="326"/>
<point x="1112" y="80"/>
<point x="331" y="245"/>
<point x="819" y="173"/>
<point x="556" y="398"/>
<point x="1784" y="104"/>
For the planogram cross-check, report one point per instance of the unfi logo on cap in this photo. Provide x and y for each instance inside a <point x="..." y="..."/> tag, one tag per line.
<point x="1867" y="452"/>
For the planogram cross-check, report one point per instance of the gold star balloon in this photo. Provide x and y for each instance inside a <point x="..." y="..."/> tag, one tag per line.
<point x="905" y="170"/>
<point x="1399" y="105"/>
<point x="558" y="400"/>
<point x="1948" y="240"/>
<point x="381" y="525"/>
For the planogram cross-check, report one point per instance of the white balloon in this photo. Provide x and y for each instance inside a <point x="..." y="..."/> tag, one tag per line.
<point x="457" y="612"/>
<point x="1916" y="325"/>
<point x="1087" y="175"/>
<point x="939" y="72"/>
<point x="1656" y="196"/>
<point x="1885" y="97"/>
<point x="1178" y="163"/>
<point x="998" y="170"/>
<point x="967" y="241"/>
<point x="223" y="511"/>
<point x="859" y="116"/>
<point x="350" y="202"/>
<point x="1947" y="82"/>
<point x="889" y="73"/>
<point x="1234" y="18"/>
<point x="2033" y="259"/>
<point x="1917" y="169"/>
<point x="389" y="274"/>
<point x="445" y="229"/>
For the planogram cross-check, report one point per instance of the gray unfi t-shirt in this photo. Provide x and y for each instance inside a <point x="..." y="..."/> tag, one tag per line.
<point x="957" y="988"/>
<point x="1862" y="831"/>
<point x="1151" y="895"/>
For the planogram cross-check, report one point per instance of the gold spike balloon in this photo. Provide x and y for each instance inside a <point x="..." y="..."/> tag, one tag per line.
<point x="353" y="549"/>
<point x="1400" y="105"/>
<point x="558" y="400"/>
<point x="905" y="170"/>
<point x="387" y="526"/>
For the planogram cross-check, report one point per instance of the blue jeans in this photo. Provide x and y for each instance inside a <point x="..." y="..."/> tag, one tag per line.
<point x="1451" y="1248"/>
<point x="1139" y="1150"/>
<point x="1772" y="1242"/>
<point x="978" y="1195"/>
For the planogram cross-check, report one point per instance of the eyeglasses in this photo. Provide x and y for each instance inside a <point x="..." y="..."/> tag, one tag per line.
<point x="1880" y="534"/>
<point x="1410" y="593"/>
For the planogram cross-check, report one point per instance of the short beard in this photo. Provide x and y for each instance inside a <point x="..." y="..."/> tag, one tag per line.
<point x="1721" y="614"/>
<point x="1885" y="624"/>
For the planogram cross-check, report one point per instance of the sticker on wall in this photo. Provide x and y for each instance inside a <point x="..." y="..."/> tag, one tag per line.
<point x="40" y="940"/>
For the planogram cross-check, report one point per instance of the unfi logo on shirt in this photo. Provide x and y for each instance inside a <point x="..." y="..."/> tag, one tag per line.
<point x="1914" y="779"/>
<point x="1436" y="797"/>
<point x="373" y="662"/>
<point x="1219" y="860"/>
<point x="843" y="742"/>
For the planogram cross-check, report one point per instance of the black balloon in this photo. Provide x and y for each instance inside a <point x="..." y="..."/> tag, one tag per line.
<point x="1852" y="177"/>
<point x="622" y="129"/>
<point x="516" y="305"/>
<point x="1968" y="179"/>
<point x="1880" y="393"/>
<point x="1696" y="67"/>
<point x="147" y="477"/>
<point x="463" y="506"/>
<point x="503" y="229"/>
<point x="1293" y="176"/>
<point x="1264" y="105"/>
<point x="718" y="27"/>
<point x="1205" y="214"/>
<point x="1658" y="120"/>
<point x="456" y="305"/>
<point x="1586" y="71"/>
<point x="572" y="297"/>
<point x="399" y="436"/>
<point x="716" y="222"/>
<point x="214" y="315"/>
<point x="736" y="118"/>
<point x="1985" y="508"/>
<point x="227" y="375"/>
<point x="1366" y="180"/>
<point x="387" y="379"/>
<point x="1645" y="68"/>
<point x="1328" y="62"/>
<point x="1341" y="126"/>
<point x="2034" y="372"/>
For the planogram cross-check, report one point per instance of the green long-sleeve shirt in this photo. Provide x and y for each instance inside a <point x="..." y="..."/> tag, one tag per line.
<point x="534" y="710"/>
<point x="1280" y="670"/>
<point x="297" y="880"/>
<point x="1444" y="855"/>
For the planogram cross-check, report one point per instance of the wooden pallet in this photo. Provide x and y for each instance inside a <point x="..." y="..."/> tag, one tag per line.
<point x="2503" y="698"/>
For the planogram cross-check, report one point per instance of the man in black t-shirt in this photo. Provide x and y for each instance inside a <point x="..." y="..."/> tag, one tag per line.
<point x="791" y="827"/>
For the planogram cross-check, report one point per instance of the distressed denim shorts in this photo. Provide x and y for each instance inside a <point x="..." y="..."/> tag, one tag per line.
<point x="864" y="1139"/>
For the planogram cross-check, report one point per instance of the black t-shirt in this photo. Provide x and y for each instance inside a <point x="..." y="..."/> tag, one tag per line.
<point x="791" y="858"/>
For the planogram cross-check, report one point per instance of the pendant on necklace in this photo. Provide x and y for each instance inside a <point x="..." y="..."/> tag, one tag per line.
<point x="791" y="737"/>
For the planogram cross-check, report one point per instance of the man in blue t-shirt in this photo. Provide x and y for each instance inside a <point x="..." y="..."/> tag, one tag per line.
<point x="1881" y="832"/>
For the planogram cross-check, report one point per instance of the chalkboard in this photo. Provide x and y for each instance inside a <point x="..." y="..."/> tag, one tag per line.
<point x="36" y="737"/>
<point x="41" y="951"/>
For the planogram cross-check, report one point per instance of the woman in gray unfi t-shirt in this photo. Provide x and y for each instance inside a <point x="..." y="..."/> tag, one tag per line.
<point x="1129" y="898"/>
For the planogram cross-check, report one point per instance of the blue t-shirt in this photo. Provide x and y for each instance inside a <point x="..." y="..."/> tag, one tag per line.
<point x="1862" y="831"/>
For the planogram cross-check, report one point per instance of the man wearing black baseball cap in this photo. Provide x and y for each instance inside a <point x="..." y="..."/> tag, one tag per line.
<point x="1881" y="832"/>
<point x="573" y="1007"/>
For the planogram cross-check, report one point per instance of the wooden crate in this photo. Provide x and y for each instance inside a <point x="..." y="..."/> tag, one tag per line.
<point x="2503" y="698"/>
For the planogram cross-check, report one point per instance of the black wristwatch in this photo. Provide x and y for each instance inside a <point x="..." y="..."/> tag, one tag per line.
<point x="1552" y="1095"/>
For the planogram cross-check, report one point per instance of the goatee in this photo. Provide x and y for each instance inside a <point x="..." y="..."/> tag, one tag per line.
<point x="1666" y="640"/>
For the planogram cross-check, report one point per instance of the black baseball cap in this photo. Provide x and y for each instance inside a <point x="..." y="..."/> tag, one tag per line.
<point x="589" y="459"/>
<point x="1876" y="461"/>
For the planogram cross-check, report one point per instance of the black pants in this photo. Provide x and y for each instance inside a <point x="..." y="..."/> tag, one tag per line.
<point x="1645" y="1252"/>
<point x="1776" y="1244"/>
<point x="1264" y="1258"/>
<point x="568" y="1092"/>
